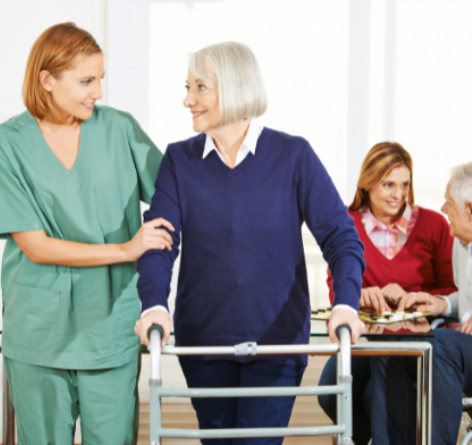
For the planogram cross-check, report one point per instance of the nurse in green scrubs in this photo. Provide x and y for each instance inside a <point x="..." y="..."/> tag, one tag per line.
<point x="72" y="175"/>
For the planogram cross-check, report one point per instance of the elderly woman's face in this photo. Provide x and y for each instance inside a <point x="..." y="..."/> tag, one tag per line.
<point x="202" y="101"/>
<point x="389" y="195"/>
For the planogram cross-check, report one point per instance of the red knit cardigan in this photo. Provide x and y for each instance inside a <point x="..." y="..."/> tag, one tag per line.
<point x="423" y="264"/>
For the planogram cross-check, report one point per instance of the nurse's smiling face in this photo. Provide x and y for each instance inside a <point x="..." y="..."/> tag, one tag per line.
<point x="76" y="90"/>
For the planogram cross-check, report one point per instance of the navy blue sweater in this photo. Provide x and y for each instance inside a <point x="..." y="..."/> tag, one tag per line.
<point x="242" y="272"/>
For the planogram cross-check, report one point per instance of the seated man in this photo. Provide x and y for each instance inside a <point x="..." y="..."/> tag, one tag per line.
<point x="393" y="378"/>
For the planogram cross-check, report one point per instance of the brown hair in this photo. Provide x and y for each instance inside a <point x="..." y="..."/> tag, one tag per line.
<point x="379" y="162"/>
<point x="55" y="50"/>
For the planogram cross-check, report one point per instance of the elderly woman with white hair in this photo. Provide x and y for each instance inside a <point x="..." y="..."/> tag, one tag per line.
<point x="238" y="194"/>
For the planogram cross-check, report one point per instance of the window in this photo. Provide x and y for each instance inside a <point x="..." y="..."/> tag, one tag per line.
<point x="432" y="91"/>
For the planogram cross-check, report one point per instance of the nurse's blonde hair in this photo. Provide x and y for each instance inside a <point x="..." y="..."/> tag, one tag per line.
<point x="55" y="50"/>
<point x="234" y="68"/>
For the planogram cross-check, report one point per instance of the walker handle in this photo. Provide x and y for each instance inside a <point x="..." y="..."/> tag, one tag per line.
<point x="343" y="333"/>
<point x="342" y="326"/>
<point x="156" y="327"/>
<point x="155" y="351"/>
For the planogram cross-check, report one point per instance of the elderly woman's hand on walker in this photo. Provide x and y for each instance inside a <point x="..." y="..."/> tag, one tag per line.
<point x="345" y="316"/>
<point x="158" y="317"/>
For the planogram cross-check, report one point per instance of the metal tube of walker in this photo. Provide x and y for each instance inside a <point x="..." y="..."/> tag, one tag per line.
<point x="344" y="378"/>
<point x="261" y="349"/>
<point x="155" y="334"/>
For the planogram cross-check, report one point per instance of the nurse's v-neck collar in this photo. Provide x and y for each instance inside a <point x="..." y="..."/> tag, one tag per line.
<point x="72" y="177"/>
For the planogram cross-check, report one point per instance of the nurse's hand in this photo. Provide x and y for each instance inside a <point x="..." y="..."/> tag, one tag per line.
<point x="158" y="317"/>
<point x="149" y="237"/>
<point x="345" y="316"/>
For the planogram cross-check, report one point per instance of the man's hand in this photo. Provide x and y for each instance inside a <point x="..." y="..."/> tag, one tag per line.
<point x="423" y="302"/>
<point x="393" y="293"/>
<point x="466" y="328"/>
<point x="373" y="298"/>
<point x="158" y="317"/>
<point x="345" y="316"/>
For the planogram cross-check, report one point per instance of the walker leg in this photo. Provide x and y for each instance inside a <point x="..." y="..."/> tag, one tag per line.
<point x="155" y="384"/>
<point x="155" y="416"/>
<point x="344" y="377"/>
<point x="344" y="408"/>
<point x="467" y="438"/>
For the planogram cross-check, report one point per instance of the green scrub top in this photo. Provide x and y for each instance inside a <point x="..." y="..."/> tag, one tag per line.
<point x="66" y="317"/>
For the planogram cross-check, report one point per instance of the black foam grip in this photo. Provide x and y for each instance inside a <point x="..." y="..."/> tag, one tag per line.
<point x="338" y="330"/>
<point x="156" y="327"/>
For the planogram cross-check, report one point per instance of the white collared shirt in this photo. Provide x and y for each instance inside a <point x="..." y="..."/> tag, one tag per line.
<point x="248" y="145"/>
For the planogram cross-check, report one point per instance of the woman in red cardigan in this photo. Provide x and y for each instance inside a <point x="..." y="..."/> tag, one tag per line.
<point x="408" y="249"/>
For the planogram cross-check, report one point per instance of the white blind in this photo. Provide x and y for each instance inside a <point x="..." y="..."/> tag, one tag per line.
<point x="433" y="91"/>
<point x="301" y="46"/>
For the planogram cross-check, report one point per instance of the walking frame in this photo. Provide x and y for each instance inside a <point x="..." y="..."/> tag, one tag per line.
<point x="343" y="431"/>
<point x="343" y="389"/>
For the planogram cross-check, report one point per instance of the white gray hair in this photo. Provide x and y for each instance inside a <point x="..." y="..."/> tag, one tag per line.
<point x="461" y="190"/>
<point x="233" y="66"/>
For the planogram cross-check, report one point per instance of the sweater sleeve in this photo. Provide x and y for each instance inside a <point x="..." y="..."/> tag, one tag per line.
<point x="442" y="258"/>
<point x="333" y="228"/>
<point x="155" y="266"/>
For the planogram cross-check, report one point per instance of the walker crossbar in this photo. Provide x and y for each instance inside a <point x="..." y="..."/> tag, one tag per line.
<point x="252" y="392"/>
<point x="261" y="350"/>
<point x="343" y="389"/>
<point x="251" y="432"/>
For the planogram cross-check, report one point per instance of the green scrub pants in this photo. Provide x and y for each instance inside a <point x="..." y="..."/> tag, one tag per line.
<point x="48" y="401"/>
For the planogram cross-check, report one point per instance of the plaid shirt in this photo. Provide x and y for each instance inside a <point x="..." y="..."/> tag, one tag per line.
<point x="390" y="239"/>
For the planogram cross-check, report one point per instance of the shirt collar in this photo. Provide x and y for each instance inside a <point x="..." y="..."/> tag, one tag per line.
<point x="249" y="143"/>
<point x="370" y="222"/>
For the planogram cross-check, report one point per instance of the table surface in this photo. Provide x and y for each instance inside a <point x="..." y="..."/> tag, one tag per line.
<point x="415" y="328"/>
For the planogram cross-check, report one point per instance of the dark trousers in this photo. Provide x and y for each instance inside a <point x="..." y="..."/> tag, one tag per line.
<point x="244" y="412"/>
<point x="361" y="396"/>
<point x="394" y="394"/>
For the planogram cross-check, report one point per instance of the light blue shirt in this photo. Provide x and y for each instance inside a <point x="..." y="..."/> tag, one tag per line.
<point x="460" y="302"/>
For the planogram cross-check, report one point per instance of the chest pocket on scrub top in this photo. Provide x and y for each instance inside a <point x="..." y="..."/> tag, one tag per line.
<point x="113" y="199"/>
